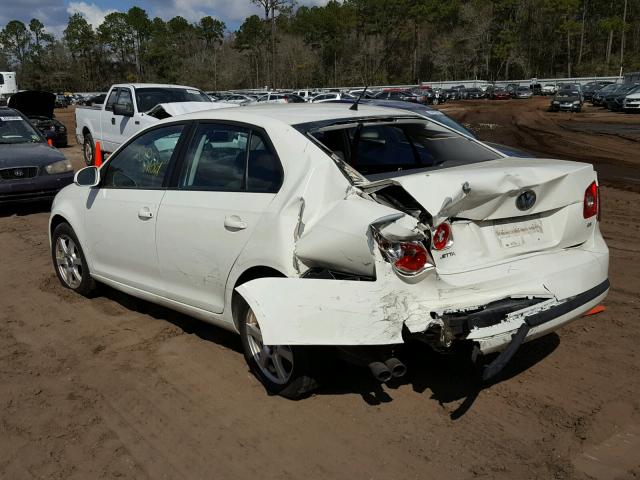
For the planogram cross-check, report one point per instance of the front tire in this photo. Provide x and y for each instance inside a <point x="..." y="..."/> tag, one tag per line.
<point x="283" y="370"/>
<point x="69" y="261"/>
<point x="88" y="149"/>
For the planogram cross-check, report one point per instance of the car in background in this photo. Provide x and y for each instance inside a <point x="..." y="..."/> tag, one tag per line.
<point x="511" y="88"/>
<point x="474" y="93"/>
<point x="522" y="92"/>
<point x="307" y="94"/>
<point x="29" y="168"/>
<point x="598" y="97"/>
<point x="499" y="93"/>
<point x="631" y="101"/>
<point x="61" y="101"/>
<point x="589" y="89"/>
<point x="567" y="99"/>
<point x="38" y="107"/>
<point x="279" y="97"/>
<point x="613" y="101"/>
<point x="237" y="98"/>
<point x="549" y="89"/>
<point x="397" y="94"/>
<point x="329" y="96"/>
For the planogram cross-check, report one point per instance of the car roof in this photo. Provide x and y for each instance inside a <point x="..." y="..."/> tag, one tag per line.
<point x="9" y="111"/>
<point x="153" y="85"/>
<point x="294" y="113"/>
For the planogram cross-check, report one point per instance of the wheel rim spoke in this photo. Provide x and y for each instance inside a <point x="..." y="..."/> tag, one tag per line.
<point x="285" y="353"/>
<point x="254" y="332"/>
<point x="277" y="363"/>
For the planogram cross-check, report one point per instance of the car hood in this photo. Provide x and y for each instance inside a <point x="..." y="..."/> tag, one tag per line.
<point x="166" y="110"/>
<point x="28" y="155"/>
<point x="33" y="103"/>
<point x="633" y="96"/>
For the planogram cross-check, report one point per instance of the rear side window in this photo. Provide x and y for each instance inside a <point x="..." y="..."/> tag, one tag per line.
<point x="230" y="158"/>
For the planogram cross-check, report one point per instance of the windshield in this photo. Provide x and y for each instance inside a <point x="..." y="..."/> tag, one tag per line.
<point x="376" y="148"/>
<point x="14" y="129"/>
<point x="147" y="98"/>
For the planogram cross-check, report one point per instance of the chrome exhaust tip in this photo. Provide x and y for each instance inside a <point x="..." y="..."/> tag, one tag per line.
<point x="396" y="367"/>
<point x="380" y="371"/>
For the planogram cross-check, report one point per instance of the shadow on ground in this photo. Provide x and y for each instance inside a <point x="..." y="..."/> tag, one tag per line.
<point x="24" y="209"/>
<point x="449" y="377"/>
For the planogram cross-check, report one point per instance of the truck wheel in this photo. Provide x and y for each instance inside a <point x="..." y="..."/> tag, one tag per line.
<point x="88" y="149"/>
<point x="69" y="261"/>
<point x="283" y="370"/>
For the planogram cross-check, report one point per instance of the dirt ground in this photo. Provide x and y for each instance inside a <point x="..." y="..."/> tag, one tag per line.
<point x="115" y="387"/>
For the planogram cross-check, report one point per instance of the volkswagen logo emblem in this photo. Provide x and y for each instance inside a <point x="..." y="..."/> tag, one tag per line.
<point x="18" y="172"/>
<point x="526" y="200"/>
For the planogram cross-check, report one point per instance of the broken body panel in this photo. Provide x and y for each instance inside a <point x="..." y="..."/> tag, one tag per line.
<point x="534" y="260"/>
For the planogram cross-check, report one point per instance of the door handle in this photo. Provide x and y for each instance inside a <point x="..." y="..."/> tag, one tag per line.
<point x="234" y="223"/>
<point x="113" y="120"/>
<point x="144" y="213"/>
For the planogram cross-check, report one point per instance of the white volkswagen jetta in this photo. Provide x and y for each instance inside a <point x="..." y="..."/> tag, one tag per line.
<point x="302" y="225"/>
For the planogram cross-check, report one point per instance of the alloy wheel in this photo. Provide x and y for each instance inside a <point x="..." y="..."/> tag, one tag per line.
<point x="275" y="362"/>
<point x="68" y="261"/>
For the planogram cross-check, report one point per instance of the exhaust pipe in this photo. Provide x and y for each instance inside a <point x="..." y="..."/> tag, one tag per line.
<point x="396" y="367"/>
<point x="380" y="371"/>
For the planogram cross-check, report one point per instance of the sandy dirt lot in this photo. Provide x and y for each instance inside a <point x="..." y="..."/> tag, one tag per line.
<point x="115" y="387"/>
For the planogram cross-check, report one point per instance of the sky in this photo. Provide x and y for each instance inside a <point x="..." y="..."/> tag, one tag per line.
<point x="55" y="13"/>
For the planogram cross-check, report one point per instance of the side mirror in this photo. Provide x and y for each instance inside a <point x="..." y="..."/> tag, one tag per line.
<point x="87" y="177"/>
<point x="124" y="109"/>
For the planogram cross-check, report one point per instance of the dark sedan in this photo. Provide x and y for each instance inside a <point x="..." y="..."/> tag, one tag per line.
<point x="29" y="168"/>
<point x="613" y="101"/>
<point x="566" y="99"/>
<point x="38" y="107"/>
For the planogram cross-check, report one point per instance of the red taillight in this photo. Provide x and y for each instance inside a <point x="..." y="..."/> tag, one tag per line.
<point x="590" y="207"/>
<point x="442" y="236"/>
<point x="413" y="258"/>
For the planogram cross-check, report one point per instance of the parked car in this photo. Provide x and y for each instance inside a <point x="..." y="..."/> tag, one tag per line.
<point x="631" y="101"/>
<point x="613" y="101"/>
<point x="29" y="168"/>
<point x="522" y="92"/>
<point x="61" y="101"/>
<point x="280" y="97"/>
<point x="306" y="94"/>
<point x="38" y="108"/>
<point x="536" y="88"/>
<point x="598" y="97"/>
<point x="511" y="88"/>
<point x="238" y="98"/>
<point x="474" y="93"/>
<point x="397" y="94"/>
<point x="319" y="225"/>
<point x="549" y="89"/>
<point x="327" y="97"/>
<point x="567" y="99"/>
<point x="131" y="107"/>
<point x="589" y="89"/>
<point x="499" y="94"/>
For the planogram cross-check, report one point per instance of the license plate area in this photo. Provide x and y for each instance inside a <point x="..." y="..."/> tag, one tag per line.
<point x="519" y="234"/>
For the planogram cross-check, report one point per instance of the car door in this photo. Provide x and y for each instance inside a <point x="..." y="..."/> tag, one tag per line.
<point x="229" y="176"/>
<point x="124" y="127"/>
<point x="121" y="214"/>
<point x="107" y="121"/>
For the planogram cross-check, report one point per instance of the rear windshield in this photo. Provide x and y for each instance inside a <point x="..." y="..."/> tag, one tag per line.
<point x="383" y="148"/>
<point x="147" y="98"/>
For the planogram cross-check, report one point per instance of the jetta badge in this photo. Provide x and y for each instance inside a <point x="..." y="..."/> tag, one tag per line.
<point x="18" y="173"/>
<point x="526" y="200"/>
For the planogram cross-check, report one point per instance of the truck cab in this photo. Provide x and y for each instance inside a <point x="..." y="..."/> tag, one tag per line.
<point x="128" y="108"/>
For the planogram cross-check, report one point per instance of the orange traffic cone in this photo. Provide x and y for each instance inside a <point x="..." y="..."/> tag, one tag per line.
<point x="97" y="160"/>
<point x="50" y="142"/>
<point x="595" y="311"/>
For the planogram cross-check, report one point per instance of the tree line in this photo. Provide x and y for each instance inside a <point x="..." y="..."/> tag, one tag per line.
<point x="352" y="42"/>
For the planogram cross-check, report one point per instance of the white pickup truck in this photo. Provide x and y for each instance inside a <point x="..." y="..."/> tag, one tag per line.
<point x="128" y="108"/>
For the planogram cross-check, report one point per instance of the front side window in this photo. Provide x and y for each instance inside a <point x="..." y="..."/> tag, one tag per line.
<point x="143" y="163"/>
<point x="230" y="158"/>
<point x="111" y="100"/>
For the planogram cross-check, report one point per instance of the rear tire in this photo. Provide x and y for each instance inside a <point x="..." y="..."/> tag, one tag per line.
<point x="69" y="261"/>
<point x="283" y="370"/>
<point x="88" y="150"/>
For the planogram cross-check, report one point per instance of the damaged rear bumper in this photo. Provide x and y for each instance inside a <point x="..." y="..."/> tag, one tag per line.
<point x="543" y="291"/>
